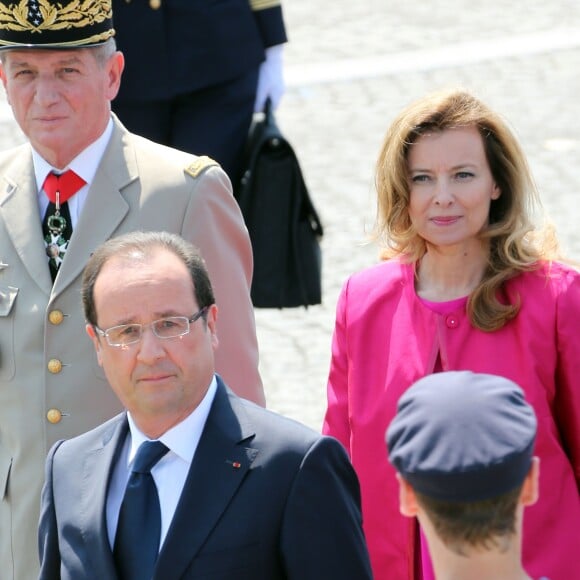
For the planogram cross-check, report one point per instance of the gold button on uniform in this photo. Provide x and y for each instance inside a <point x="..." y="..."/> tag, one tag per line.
<point x="54" y="416"/>
<point x="54" y="366"/>
<point x="55" y="317"/>
<point x="155" y="4"/>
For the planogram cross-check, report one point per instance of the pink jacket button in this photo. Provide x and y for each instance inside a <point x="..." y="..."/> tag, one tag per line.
<point x="452" y="321"/>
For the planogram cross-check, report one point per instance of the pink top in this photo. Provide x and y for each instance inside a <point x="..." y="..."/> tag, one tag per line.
<point x="442" y="308"/>
<point x="385" y="338"/>
<point x="447" y="307"/>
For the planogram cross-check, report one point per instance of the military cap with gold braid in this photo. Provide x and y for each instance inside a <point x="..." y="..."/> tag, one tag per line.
<point x="62" y="24"/>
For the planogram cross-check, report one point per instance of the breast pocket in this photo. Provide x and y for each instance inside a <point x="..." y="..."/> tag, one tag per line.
<point x="239" y="562"/>
<point x="7" y="299"/>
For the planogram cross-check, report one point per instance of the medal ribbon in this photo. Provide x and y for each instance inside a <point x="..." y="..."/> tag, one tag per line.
<point x="60" y="188"/>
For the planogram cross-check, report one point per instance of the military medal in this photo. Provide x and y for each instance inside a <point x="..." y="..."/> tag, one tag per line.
<point x="56" y="245"/>
<point x="56" y="223"/>
<point x="55" y="248"/>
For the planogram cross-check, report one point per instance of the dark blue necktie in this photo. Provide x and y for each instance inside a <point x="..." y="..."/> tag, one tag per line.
<point x="139" y="528"/>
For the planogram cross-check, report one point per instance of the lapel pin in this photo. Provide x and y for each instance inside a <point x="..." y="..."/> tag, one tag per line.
<point x="234" y="464"/>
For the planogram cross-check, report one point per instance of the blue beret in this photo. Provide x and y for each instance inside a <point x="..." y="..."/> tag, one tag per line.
<point x="462" y="436"/>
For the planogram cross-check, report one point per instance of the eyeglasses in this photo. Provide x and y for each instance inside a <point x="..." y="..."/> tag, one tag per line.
<point x="164" y="328"/>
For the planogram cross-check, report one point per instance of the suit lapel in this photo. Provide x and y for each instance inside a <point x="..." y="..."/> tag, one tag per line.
<point x="220" y="465"/>
<point x="19" y="210"/>
<point x="97" y="470"/>
<point x="104" y="209"/>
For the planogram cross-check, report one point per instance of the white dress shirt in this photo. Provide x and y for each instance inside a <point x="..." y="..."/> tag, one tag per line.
<point x="169" y="473"/>
<point x="85" y="165"/>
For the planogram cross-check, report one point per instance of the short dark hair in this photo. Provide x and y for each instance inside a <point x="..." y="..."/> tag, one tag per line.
<point x="487" y="524"/>
<point x="139" y="246"/>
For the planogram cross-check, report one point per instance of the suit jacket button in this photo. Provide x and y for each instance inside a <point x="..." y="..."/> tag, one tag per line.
<point x="54" y="416"/>
<point x="155" y="4"/>
<point x="55" y="317"/>
<point x="54" y="366"/>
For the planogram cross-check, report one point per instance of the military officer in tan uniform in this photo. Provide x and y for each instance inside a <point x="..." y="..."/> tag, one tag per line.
<point x="60" y="69"/>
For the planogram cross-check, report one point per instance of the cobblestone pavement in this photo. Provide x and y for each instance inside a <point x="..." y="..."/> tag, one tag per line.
<point x="350" y="68"/>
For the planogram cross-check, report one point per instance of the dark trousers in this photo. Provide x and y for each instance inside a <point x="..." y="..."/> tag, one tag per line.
<point x="212" y="121"/>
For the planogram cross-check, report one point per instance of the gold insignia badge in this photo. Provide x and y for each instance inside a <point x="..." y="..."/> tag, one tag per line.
<point x="200" y="165"/>
<point x="41" y="15"/>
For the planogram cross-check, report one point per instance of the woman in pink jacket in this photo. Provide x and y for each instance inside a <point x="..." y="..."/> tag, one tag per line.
<point x="470" y="284"/>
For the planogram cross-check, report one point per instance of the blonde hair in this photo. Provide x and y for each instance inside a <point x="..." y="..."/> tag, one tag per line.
<point x="515" y="243"/>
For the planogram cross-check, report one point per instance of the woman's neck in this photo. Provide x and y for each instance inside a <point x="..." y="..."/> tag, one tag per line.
<point x="450" y="274"/>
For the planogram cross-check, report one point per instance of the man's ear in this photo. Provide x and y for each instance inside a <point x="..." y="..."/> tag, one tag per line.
<point x="408" y="505"/>
<point x="4" y="80"/>
<point x="531" y="487"/>
<point x="96" y="341"/>
<point x="211" y="317"/>
<point x="115" y="67"/>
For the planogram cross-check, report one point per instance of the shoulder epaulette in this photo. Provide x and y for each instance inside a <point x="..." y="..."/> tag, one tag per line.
<point x="196" y="168"/>
<point x="256" y="5"/>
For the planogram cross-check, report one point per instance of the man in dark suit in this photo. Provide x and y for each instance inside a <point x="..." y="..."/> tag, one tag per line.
<point x="196" y="71"/>
<point x="242" y="492"/>
<point x="60" y="70"/>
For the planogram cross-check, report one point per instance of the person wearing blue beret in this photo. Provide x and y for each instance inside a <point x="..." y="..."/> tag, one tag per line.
<point x="463" y="447"/>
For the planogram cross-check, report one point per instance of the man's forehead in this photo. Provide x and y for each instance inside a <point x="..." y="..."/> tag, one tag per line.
<point x="158" y="286"/>
<point x="29" y="56"/>
<point x="157" y="266"/>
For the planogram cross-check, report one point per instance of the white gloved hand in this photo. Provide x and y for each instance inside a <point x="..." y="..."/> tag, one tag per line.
<point x="270" y="79"/>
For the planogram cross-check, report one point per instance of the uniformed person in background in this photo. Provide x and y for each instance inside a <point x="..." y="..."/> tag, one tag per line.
<point x="60" y="69"/>
<point x="463" y="447"/>
<point x="196" y="71"/>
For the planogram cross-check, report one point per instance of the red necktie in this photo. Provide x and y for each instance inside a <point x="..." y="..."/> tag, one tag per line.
<point x="66" y="184"/>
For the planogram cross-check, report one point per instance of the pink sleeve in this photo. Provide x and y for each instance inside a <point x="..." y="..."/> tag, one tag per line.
<point x="567" y="400"/>
<point x="336" y="420"/>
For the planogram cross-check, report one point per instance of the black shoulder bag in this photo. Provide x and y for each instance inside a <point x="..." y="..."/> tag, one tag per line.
<point x="284" y="227"/>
